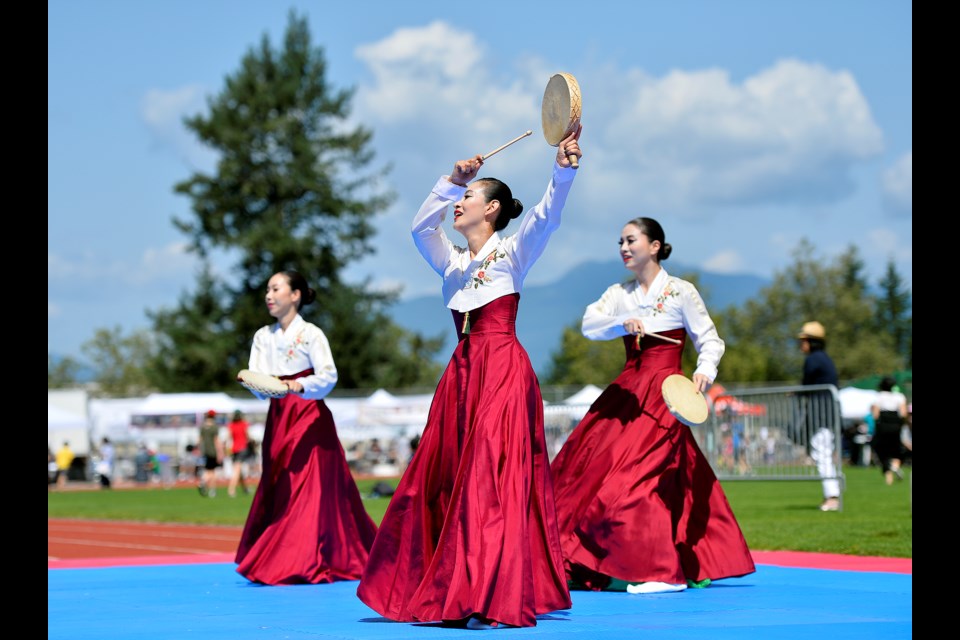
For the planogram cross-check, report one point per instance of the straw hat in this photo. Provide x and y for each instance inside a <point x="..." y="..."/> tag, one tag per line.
<point x="812" y="330"/>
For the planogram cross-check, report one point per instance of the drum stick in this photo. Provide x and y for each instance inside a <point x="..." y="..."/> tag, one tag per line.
<point x="657" y="335"/>
<point x="502" y="147"/>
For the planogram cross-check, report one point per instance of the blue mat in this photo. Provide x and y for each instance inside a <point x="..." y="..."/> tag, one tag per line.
<point x="212" y="601"/>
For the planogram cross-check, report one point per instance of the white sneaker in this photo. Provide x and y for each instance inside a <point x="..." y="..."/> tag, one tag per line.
<point x="830" y="504"/>
<point x="654" y="587"/>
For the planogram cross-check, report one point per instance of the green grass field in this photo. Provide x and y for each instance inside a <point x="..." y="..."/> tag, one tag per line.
<point x="877" y="520"/>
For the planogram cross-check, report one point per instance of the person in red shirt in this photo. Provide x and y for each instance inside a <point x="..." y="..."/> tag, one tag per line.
<point x="241" y="452"/>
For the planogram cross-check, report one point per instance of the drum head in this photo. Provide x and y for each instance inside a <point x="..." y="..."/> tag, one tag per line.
<point x="268" y="385"/>
<point x="684" y="401"/>
<point x="560" y="109"/>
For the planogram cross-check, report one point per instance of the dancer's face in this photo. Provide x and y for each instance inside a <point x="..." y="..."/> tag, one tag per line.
<point x="636" y="250"/>
<point x="281" y="299"/>
<point x="473" y="209"/>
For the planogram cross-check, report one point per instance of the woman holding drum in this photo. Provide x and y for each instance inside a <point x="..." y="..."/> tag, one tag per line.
<point x="470" y="536"/>
<point x="307" y="523"/>
<point x="638" y="506"/>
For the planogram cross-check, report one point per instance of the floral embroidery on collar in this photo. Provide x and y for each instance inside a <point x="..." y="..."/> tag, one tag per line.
<point x="668" y="292"/>
<point x="480" y="276"/>
<point x="291" y="350"/>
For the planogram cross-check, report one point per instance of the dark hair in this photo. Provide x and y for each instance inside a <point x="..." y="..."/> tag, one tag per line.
<point x="510" y="207"/>
<point x="652" y="229"/>
<point x="887" y="384"/>
<point x="299" y="283"/>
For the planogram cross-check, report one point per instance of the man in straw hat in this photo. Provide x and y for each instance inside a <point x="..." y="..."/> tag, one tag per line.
<point x="818" y="368"/>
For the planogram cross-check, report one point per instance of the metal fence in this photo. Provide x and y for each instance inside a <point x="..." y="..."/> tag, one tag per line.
<point x="765" y="433"/>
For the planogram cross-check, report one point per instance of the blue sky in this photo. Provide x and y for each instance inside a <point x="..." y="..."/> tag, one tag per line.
<point x="742" y="126"/>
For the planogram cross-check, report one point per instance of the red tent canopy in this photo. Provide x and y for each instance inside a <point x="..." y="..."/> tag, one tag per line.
<point x="723" y="402"/>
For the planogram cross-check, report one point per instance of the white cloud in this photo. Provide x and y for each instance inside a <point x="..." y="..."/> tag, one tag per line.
<point x="436" y="76"/>
<point x="53" y="310"/>
<point x="897" y="186"/>
<point x="163" y="113"/>
<point x="694" y="143"/>
<point x="729" y="261"/>
<point x="690" y="139"/>
<point x="682" y="142"/>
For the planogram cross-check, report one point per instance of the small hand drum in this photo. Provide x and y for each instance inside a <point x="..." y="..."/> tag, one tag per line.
<point x="684" y="401"/>
<point x="262" y="383"/>
<point x="560" y="110"/>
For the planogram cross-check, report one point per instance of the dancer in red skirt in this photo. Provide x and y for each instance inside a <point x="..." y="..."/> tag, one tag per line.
<point x="638" y="506"/>
<point x="307" y="523"/>
<point x="470" y="536"/>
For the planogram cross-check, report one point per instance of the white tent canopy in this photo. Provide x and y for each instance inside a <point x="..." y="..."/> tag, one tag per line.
<point x="186" y="403"/>
<point x="855" y="403"/>
<point x="59" y="419"/>
<point x="63" y="425"/>
<point x="585" y="396"/>
<point x="384" y="415"/>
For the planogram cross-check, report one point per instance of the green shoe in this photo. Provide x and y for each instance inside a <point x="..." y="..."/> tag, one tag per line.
<point x="693" y="584"/>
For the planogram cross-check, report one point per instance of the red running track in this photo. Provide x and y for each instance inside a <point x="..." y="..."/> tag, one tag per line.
<point x="110" y="543"/>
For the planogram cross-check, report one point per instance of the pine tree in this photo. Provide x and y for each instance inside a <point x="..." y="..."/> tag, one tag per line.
<point x="894" y="313"/>
<point x="289" y="192"/>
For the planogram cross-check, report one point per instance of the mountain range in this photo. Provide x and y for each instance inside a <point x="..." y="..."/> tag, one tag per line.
<point x="545" y="310"/>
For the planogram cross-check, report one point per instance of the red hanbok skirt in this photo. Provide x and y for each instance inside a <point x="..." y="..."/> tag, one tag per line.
<point x="471" y="529"/>
<point x="307" y="523"/>
<point x="636" y="498"/>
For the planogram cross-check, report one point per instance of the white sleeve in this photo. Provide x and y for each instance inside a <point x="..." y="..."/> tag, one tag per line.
<point x="603" y="319"/>
<point x="702" y="331"/>
<point x="321" y="382"/>
<point x="540" y="222"/>
<point x="258" y="360"/>
<point x="427" y="229"/>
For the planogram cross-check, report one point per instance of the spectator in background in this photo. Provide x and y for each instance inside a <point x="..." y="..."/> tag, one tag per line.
<point x="51" y="468"/>
<point x="64" y="460"/>
<point x="143" y="464"/>
<point x="889" y="412"/>
<point x="241" y="452"/>
<point x="211" y="448"/>
<point x="105" y="464"/>
<point x="189" y="464"/>
<point x="818" y="368"/>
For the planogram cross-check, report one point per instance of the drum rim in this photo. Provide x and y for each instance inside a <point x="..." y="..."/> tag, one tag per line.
<point x="262" y="382"/>
<point x="670" y="382"/>
<point x="553" y="132"/>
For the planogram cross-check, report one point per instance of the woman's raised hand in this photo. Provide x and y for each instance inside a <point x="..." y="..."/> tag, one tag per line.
<point x="569" y="147"/>
<point x="466" y="170"/>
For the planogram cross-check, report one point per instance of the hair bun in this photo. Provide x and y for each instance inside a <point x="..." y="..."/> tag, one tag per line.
<point x="517" y="209"/>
